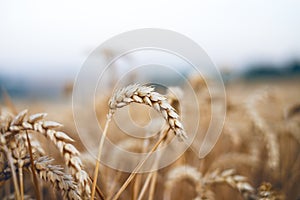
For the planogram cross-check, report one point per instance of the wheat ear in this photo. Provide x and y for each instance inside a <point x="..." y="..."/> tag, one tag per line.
<point x="55" y="175"/>
<point x="232" y="179"/>
<point x="183" y="172"/>
<point x="269" y="134"/>
<point x="42" y="165"/>
<point x="62" y="141"/>
<point x="19" y="155"/>
<point x="146" y="95"/>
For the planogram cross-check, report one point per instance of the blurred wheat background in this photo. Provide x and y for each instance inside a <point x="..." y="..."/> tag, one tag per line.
<point x="256" y="47"/>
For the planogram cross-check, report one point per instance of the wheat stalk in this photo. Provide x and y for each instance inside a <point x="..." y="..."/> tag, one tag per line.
<point x="143" y="95"/>
<point x="18" y="156"/>
<point x="19" y="153"/>
<point x="8" y="153"/>
<point x="152" y="176"/>
<point x="269" y="135"/>
<point x="138" y="167"/>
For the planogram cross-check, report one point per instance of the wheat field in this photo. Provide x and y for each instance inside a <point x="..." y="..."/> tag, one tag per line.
<point x="256" y="157"/>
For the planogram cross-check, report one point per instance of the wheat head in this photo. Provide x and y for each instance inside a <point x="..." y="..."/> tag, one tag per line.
<point x="21" y="123"/>
<point x="269" y="135"/>
<point x="55" y="175"/>
<point x="146" y="95"/>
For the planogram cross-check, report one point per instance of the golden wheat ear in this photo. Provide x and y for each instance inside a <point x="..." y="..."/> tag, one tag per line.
<point x="146" y="95"/>
<point x="232" y="179"/>
<point x="269" y="135"/>
<point x="190" y="173"/>
<point x="54" y="174"/>
<point x="177" y="174"/>
<point x="21" y="123"/>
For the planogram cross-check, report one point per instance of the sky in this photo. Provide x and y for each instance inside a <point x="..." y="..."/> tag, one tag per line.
<point x="55" y="37"/>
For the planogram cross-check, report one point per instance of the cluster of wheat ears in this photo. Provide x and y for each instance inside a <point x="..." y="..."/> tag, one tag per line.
<point x="24" y="160"/>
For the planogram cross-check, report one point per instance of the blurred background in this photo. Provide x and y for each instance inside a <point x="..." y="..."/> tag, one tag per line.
<point x="43" y="44"/>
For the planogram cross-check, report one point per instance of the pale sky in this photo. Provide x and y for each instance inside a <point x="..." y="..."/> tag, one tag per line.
<point x="56" y="36"/>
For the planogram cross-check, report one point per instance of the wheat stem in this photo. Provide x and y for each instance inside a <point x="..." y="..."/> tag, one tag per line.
<point x="144" y="188"/>
<point x="20" y="167"/>
<point x="114" y="184"/>
<point x="99" y="156"/>
<point x="136" y="186"/>
<point x="35" y="181"/>
<point x="152" y="186"/>
<point x="138" y="167"/>
<point x="150" y="177"/>
<point x="12" y="166"/>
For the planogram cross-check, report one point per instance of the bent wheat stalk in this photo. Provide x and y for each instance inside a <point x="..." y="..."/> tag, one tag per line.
<point x="143" y="95"/>
<point x="139" y="166"/>
<point x="269" y="135"/>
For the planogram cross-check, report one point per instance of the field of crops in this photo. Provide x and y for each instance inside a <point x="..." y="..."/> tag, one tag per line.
<point x="256" y="157"/>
